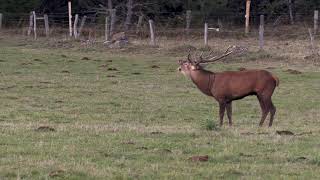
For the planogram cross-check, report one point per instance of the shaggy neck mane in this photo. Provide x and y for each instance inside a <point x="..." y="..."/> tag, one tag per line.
<point x="201" y="78"/>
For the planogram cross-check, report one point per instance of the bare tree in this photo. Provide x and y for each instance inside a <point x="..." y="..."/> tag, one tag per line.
<point x="109" y="3"/>
<point x="129" y="14"/>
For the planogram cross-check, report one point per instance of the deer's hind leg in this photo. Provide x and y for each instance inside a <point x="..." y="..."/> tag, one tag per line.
<point x="229" y="112"/>
<point x="265" y="108"/>
<point x="272" y="113"/>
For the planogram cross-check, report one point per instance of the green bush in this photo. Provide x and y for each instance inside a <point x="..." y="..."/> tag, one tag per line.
<point x="210" y="125"/>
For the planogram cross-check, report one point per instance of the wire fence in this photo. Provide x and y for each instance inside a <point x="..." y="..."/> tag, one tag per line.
<point x="168" y="24"/>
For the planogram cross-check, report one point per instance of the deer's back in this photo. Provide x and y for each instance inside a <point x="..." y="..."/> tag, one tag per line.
<point x="241" y="83"/>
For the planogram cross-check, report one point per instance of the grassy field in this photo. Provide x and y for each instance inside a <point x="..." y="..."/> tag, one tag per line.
<point x="70" y="112"/>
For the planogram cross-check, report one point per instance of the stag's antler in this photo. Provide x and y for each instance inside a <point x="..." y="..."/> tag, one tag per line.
<point x="189" y="57"/>
<point x="230" y="50"/>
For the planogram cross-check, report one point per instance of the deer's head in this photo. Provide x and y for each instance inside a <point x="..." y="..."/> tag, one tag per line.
<point x="187" y="66"/>
<point x="190" y="65"/>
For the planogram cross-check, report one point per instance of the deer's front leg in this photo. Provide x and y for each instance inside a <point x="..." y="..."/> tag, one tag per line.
<point x="222" y="107"/>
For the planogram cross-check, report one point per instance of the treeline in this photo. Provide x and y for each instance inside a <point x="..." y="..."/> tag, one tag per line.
<point x="203" y="6"/>
<point x="163" y="8"/>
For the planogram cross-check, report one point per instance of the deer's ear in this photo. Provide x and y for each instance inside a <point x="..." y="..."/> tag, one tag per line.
<point x="180" y="62"/>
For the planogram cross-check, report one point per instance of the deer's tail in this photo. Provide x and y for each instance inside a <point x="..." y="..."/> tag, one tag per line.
<point x="276" y="79"/>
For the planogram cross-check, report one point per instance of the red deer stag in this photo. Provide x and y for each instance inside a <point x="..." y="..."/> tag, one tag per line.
<point x="228" y="86"/>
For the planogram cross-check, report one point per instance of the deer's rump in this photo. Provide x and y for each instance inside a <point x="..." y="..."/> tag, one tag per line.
<point x="238" y="84"/>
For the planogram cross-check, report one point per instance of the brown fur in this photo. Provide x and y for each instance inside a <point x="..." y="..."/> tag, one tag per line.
<point x="228" y="86"/>
<point x="276" y="79"/>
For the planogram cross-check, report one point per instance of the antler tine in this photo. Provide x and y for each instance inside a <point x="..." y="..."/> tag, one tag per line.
<point x="229" y="49"/>
<point x="189" y="56"/>
<point x="216" y="58"/>
<point x="210" y="54"/>
<point x="241" y="49"/>
<point x="201" y="54"/>
<point x="201" y="58"/>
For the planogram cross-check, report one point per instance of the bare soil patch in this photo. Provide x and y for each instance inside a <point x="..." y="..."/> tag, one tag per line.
<point x="199" y="158"/>
<point x="45" y="129"/>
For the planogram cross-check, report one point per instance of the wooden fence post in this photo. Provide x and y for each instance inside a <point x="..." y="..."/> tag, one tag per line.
<point x="70" y="18"/>
<point x="290" y="12"/>
<point x="46" y="24"/>
<point x="316" y="20"/>
<point x="139" y="23"/>
<point x="1" y="15"/>
<point x="107" y="28"/>
<point x="75" y="26"/>
<point x="313" y="50"/>
<point x="34" y="24"/>
<point x="83" y="21"/>
<point x="206" y="34"/>
<point x="113" y="21"/>
<point x="261" y="32"/>
<point x="220" y="24"/>
<point x="188" y="19"/>
<point x="151" y="24"/>
<point x="247" y="16"/>
<point x="30" y="24"/>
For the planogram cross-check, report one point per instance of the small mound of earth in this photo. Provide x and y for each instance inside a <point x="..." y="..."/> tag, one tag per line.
<point x="45" y="129"/>
<point x="65" y="71"/>
<point x="85" y="58"/>
<point x="103" y="65"/>
<point x="128" y="142"/>
<point x="157" y="132"/>
<point x="199" y="158"/>
<point x="166" y="151"/>
<point x="26" y="63"/>
<point x="136" y="73"/>
<point x="142" y="148"/>
<point x="245" y="155"/>
<point x="56" y="173"/>
<point x="301" y="158"/>
<point x="112" y="69"/>
<point x="312" y="57"/>
<point x="292" y="71"/>
<point x="242" y="69"/>
<point x="155" y="67"/>
<point x="285" y="133"/>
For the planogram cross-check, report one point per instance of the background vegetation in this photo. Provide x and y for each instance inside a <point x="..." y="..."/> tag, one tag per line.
<point x="205" y="8"/>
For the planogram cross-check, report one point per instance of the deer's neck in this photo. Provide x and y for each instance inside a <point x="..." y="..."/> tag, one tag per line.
<point x="203" y="80"/>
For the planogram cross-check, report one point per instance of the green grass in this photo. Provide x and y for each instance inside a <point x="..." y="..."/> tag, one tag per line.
<point x="139" y="122"/>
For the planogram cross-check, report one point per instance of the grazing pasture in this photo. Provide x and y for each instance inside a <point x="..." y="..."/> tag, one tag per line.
<point x="70" y="111"/>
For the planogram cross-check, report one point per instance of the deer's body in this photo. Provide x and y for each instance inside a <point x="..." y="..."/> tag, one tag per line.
<point x="228" y="86"/>
<point x="233" y="85"/>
